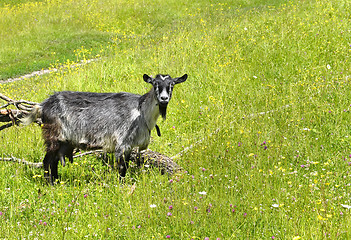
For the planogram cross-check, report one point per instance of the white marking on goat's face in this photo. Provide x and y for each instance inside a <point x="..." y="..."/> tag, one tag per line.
<point x="164" y="95"/>
<point x="163" y="77"/>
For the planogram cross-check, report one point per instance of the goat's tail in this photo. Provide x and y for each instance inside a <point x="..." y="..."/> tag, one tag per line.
<point x="32" y="116"/>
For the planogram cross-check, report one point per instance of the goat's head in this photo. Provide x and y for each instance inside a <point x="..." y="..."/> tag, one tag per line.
<point x="163" y="87"/>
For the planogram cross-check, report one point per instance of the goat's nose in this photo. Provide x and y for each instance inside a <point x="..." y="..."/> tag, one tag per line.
<point x="164" y="98"/>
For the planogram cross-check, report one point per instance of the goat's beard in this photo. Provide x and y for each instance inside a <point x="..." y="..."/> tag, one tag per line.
<point x="163" y="110"/>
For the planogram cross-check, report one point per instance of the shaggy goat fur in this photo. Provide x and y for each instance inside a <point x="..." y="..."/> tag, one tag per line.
<point x="114" y="122"/>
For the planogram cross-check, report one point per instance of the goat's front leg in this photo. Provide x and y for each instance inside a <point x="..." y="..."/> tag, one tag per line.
<point x="139" y="158"/>
<point x="122" y="157"/>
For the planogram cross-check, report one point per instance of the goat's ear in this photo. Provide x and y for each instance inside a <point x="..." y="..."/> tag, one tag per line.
<point x="181" y="79"/>
<point x="147" y="78"/>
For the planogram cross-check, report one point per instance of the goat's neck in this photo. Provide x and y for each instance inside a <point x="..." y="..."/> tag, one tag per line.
<point x="149" y="109"/>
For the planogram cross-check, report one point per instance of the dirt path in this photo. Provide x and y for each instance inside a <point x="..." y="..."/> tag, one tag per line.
<point x="46" y="71"/>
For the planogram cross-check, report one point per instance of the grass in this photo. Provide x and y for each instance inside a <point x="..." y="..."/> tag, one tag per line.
<point x="37" y="35"/>
<point x="284" y="174"/>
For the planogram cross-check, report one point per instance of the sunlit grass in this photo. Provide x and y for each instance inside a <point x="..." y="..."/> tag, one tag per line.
<point x="281" y="174"/>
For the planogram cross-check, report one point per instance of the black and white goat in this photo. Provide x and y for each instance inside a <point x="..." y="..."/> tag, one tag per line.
<point x="114" y="122"/>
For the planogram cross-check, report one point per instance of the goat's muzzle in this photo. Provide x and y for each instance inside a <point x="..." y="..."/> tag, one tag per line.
<point x="163" y="103"/>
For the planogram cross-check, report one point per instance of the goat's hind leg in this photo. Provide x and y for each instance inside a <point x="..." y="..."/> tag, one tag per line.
<point x="50" y="163"/>
<point x="54" y="169"/>
<point x="46" y="164"/>
<point x="65" y="150"/>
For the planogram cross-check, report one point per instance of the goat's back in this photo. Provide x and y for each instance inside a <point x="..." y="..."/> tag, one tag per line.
<point x="90" y="120"/>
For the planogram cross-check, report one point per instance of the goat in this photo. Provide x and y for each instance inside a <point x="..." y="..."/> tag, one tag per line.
<point x="114" y="122"/>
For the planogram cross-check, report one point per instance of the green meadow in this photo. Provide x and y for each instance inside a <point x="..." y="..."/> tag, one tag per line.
<point x="262" y="123"/>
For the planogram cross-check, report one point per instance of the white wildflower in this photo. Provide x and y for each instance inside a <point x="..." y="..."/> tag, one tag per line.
<point x="346" y="206"/>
